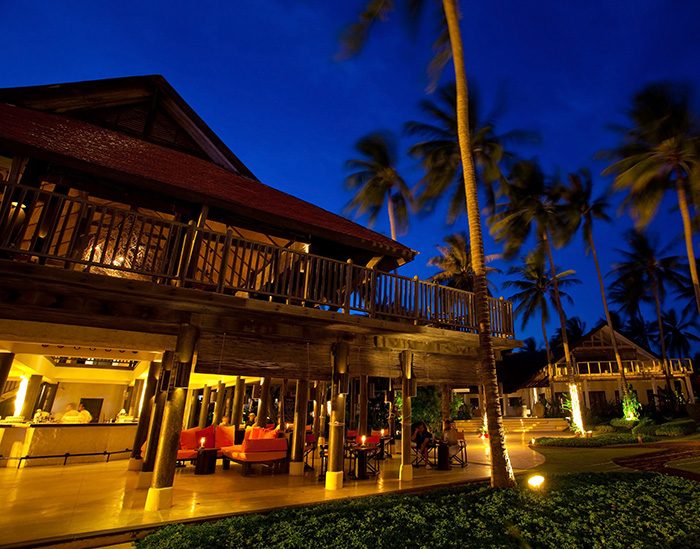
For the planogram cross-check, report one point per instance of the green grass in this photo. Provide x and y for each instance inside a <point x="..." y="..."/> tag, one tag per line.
<point x="612" y="510"/>
<point x="582" y="460"/>
<point x="687" y="464"/>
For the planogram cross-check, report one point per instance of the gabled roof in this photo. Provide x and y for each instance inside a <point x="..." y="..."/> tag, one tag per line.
<point x="145" y="106"/>
<point x="111" y="154"/>
<point x="593" y="340"/>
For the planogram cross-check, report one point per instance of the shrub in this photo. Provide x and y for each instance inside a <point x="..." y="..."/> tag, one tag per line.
<point x="604" y="429"/>
<point x="613" y="510"/>
<point x="621" y="424"/>
<point x="605" y="439"/>
<point x="646" y="426"/>
<point x="677" y="428"/>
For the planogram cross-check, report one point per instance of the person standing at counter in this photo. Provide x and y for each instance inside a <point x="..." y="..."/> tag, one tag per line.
<point x="85" y="416"/>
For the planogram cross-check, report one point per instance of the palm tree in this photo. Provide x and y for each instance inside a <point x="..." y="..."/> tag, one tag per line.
<point x="581" y="209"/>
<point x="639" y="331"/>
<point x="455" y="263"/>
<point x="644" y="266"/>
<point x="679" y="333"/>
<point x="533" y="205"/>
<point x="440" y="158"/>
<point x="534" y="291"/>
<point x="575" y="330"/>
<point x="449" y="45"/>
<point x="660" y="153"/>
<point x="377" y="181"/>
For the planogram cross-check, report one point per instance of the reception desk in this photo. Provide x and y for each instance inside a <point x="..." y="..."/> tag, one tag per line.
<point x="65" y="443"/>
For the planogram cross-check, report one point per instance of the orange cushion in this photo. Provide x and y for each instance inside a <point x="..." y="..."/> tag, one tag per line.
<point x="224" y="436"/>
<point x="208" y="434"/>
<point x="265" y="445"/>
<point x="269" y="433"/>
<point x="186" y="454"/>
<point x="188" y="439"/>
<point x="255" y="457"/>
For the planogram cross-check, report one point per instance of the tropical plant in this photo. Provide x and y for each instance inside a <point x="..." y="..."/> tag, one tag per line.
<point x="377" y="182"/>
<point x="679" y="333"/>
<point x="660" y="152"/>
<point x="455" y="263"/>
<point x="645" y="266"/>
<point x="631" y="407"/>
<point x="533" y="205"/>
<point x="580" y="212"/>
<point x="534" y="291"/>
<point x="449" y="46"/>
<point x="439" y="155"/>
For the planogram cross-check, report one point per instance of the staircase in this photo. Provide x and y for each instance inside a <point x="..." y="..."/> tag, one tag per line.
<point x="518" y="425"/>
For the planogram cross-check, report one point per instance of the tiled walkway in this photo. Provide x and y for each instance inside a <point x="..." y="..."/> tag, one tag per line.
<point x="41" y="503"/>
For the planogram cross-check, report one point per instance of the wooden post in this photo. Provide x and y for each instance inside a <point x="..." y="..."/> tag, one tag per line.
<point x="301" y="404"/>
<point x="6" y="360"/>
<point x="238" y="398"/>
<point x="31" y="396"/>
<point x="319" y="404"/>
<point x="322" y="411"/>
<point x="406" y="470"/>
<point x="336" y="438"/>
<point x="133" y="410"/>
<point x="362" y="428"/>
<point x="160" y="494"/>
<point x="390" y="395"/>
<point x="219" y="404"/>
<point x="204" y="410"/>
<point x="445" y="403"/>
<point x="149" y="457"/>
<point x="352" y="420"/>
<point x="136" y="460"/>
<point x="192" y="416"/>
<point x="228" y="403"/>
<point x="264" y="404"/>
<point x="281" y="413"/>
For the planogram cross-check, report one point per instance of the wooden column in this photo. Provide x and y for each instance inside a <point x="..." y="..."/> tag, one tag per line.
<point x="159" y="398"/>
<point x="281" y="413"/>
<point x="238" y="401"/>
<point x="30" y="398"/>
<point x="219" y="404"/>
<point x="319" y="406"/>
<point x="336" y="436"/>
<point x="301" y="405"/>
<point x="352" y="420"/>
<point x="390" y="395"/>
<point x="135" y="398"/>
<point x="228" y="401"/>
<point x="136" y="460"/>
<point x="362" y="428"/>
<point x="192" y="416"/>
<point x="160" y="494"/>
<point x="204" y="410"/>
<point x="6" y="360"/>
<point x="445" y="403"/>
<point x="323" y="412"/>
<point x="264" y="404"/>
<point x="406" y="470"/>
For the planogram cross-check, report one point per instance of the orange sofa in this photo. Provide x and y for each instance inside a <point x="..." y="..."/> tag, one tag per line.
<point x="260" y="446"/>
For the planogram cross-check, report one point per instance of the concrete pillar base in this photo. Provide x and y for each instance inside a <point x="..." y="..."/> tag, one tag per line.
<point x="135" y="464"/>
<point x="159" y="499"/>
<point x="334" y="480"/>
<point x="296" y="468"/>
<point x="144" y="480"/>
<point x="406" y="472"/>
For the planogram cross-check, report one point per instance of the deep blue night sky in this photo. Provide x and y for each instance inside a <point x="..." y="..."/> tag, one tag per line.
<point x="263" y="75"/>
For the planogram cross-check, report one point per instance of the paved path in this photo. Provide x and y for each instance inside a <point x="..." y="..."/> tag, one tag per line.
<point x="656" y="461"/>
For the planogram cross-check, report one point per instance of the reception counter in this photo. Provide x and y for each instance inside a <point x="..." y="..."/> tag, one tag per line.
<point x="55" y="443"/>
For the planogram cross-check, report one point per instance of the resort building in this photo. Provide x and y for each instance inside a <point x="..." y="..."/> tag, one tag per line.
<point x="150" y="278"/>
<point x="597" y="372"/>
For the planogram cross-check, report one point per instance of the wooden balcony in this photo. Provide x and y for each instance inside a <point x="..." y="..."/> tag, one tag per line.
<point x="71" y="232"/>
<point x="633" y="368"/>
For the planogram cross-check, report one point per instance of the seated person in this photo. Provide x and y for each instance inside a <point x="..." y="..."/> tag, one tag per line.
<point x="422" y="437"/>
<point x="449" y="436"/>
<point x="225" y="422"/>
<point x="250" y="422"/>
<point x="85" y="416"/>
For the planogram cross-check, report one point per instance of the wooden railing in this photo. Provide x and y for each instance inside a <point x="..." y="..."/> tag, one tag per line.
<point x="601" y="368"/>
<point x="71" y="232"/>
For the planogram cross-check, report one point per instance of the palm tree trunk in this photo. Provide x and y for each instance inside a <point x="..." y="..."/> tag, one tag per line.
<point x="550" y="368"/>
<point x="577" y="417"/>
<point x="662" y="338"/>
<point x="688" y="234"/>
<point x="608" y="319"/>
<point x="501" y="469"/>
<point x="392" y="216"/>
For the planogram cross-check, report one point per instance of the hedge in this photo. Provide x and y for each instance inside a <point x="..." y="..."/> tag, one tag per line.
<point x="623" y="424"/>
<point x="604" y="428"/>
<point x="612" y="510"/>
<point x="646" y="426"/>
<point x="605" y="439"/>
<point x="677" y="428"/>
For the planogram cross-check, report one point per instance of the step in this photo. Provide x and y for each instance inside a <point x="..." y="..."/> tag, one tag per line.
<point x="517" y="425"/>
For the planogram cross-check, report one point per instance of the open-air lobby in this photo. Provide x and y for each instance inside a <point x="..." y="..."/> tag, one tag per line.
<point x="179" y="340"/>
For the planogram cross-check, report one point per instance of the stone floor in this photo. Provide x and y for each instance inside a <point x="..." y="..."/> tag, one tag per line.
<point x="44" y="503"/>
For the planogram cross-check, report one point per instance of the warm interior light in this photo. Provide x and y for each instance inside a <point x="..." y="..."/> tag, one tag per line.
<point x="535" y="481"/>
<point x="382" y="432"/>
<point x="576" y="416"/>
<point x="21" y="394"/>
<point x="363" y="438"/>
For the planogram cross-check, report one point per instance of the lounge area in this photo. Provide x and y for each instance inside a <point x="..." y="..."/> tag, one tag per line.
<point x="64" y="502"/>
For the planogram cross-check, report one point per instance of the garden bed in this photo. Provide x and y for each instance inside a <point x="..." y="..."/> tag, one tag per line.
<point x="583" y="510"/>
<point x="597" y="441"/>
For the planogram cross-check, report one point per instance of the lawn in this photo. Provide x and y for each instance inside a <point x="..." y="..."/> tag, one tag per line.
<point x="580" y="460"/>
<point x="611" y="510"/>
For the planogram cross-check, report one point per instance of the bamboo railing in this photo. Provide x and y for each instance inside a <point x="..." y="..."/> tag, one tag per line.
<point x="73" y="232"/>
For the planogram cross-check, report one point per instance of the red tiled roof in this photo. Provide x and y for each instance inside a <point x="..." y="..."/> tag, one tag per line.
<point x="127" y="157"/>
